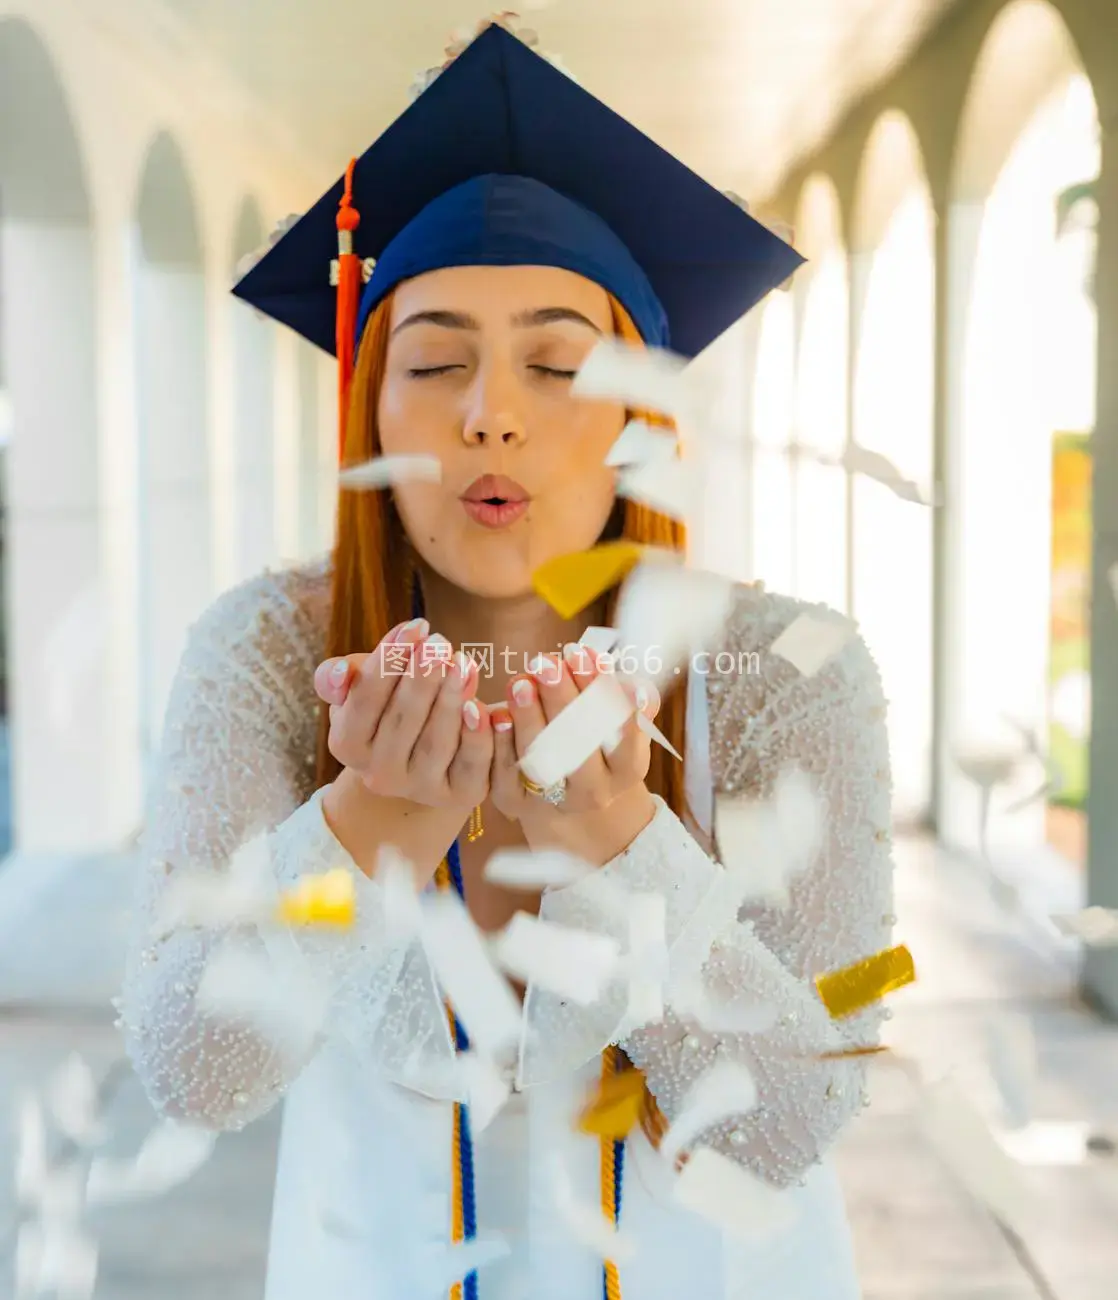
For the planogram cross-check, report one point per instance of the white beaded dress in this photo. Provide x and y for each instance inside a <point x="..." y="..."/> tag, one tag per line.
<point x="362" y="1196"/>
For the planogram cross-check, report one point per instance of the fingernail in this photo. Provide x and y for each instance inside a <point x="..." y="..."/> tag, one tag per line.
<point x="419" y="625"/>
<point x="394" y="633"/>
<point x="523" y="692"/>
<point x="471" y="714"/>
<point x="643" y="698"/>
<point x="575" y="655"/>
<point x="502" y="722"/>
<point x="462" y="666"/>
<point x="339" y="671"/>
<point x="538" y="665"/>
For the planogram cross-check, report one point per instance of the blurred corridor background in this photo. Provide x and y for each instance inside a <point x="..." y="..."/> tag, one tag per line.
<point x="949" y="171"/>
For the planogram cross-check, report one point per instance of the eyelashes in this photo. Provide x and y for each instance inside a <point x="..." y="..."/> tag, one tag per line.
<point x="432" y="372"/>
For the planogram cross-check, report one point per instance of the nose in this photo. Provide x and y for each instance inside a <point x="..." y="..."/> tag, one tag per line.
<point x="493" y="416"/>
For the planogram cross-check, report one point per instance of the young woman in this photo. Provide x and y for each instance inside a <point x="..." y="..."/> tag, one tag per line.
<point x="326" y="713"/>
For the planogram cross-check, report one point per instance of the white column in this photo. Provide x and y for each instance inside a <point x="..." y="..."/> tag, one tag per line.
<point x="60" y="704"/>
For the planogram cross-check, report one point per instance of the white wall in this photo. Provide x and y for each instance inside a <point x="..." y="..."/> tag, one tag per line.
<point x="104" y="490"/>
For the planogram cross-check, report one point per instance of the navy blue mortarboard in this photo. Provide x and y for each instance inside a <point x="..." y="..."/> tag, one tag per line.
<point x="505" y="160"/>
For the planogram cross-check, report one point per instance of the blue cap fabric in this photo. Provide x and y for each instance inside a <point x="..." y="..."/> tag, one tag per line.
<point x="504" y="160"/>
<point x="499" y="220"/>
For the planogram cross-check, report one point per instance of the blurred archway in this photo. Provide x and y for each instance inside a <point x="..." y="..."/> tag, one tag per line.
<point x="54" y="714"/>
<point x="893" y="287"/>
<point x="176" y="574"/>
<point x="1021" y="397"/>
<point x="820" y="559"/>
<point x="254" y="472"/>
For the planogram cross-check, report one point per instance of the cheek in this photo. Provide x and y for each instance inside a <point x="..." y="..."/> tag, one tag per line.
<point x="406" y="422"/>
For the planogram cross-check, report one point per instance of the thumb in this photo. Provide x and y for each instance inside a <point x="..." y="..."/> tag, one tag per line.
<point x="332" y="678"/>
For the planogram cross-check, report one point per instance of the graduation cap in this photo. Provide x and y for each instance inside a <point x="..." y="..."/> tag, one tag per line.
<point x="505" y="160"/>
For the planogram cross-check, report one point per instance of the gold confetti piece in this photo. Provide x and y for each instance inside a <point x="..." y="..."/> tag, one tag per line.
<point x="327" y="899"/>
<point x="570" y="582"/>
<point x="848" y="1053"/>
<point x="614" y="1110"/>
<point x="849" y="990"/>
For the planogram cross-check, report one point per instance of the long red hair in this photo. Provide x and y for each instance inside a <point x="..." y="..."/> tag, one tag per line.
<point x="373" y="570"/>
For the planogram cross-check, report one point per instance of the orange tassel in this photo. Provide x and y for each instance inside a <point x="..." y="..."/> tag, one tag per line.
<point x="349" y="298"/>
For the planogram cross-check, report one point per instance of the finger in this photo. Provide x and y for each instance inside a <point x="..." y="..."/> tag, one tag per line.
<point x="405" y="715"/>
<point x="627" y="762"/>
<point x="332" y="677"/>
<point x="582" y="664"/>
<point x="438" y="739"/>
<point x="371" y="686"/>
<point x="554" y="684"/>
<point x="469" y="771"/>
<point x="526" y="712"/>
<point x="504" y="779"/>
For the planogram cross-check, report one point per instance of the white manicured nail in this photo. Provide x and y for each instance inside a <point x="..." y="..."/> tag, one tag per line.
<point x="471" y="714"/>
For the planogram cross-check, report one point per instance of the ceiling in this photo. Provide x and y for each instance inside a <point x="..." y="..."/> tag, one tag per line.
<point x="737" y="88"/>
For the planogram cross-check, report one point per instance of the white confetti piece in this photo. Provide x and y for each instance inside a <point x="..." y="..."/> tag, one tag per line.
<point x="810" y="640"/>
<point x="669" y="487"/>
<point x="640" y="377"/>
<point x="598" y="640"/>
<point x="1012" y="1056"/>
<point x="453" y="1264"/>
<point x="872" y="464"/>
<point x="61" y="1195"/>
<point x="531" y="870"/>
<point x="574" y="964"/>
<point x="691" y="1000"/>
<point x="641" y="442"/>
<point x="32" y="1165"/>
<point x="243" y="893"/>
<point x="727" y="1195"/>
<point x="386" y="471"/>
<point x="486" y="1089"/>
<point x="477" y="991"/>
<point x="653" y="732"/>
<point x="725" y="1090"/>
<point x="55" y="1259"/>
<point x="396" y="876"/>
<point x="71" y="1095"/>
<point x="716" y="913"/>
<point x="969" y="1149"/>
<point x="646" y="964"/>
<point x="1048" y="1143"/>
<point x="667" y="613"/>
<point x="577" y="731"/>
<point x="769" y="843"/>
<point x="170" y="1155"/>
<point x="586" y="1222"/>
<point x="1097" y="927"/>
<point x="272" y="991"/>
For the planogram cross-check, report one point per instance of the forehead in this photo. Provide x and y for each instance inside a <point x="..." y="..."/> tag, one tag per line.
<point x="494" y="294"/>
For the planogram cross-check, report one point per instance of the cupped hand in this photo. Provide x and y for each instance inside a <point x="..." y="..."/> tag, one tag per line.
<point x="609" y="775"/>
<point x="406" y="720"/>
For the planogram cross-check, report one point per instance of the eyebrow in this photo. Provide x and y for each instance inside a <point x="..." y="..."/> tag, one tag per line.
<point x="459" y="320"/>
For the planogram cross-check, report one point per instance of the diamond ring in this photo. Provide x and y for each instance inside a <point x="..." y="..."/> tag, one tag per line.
<point x="552" y="794"/>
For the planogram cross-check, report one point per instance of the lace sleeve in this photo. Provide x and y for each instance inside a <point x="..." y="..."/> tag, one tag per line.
<point x="831" y="726"/>
<point x="237" y="765"/>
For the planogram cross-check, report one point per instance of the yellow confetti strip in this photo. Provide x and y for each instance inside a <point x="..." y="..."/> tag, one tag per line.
<point x="848" y="1053"/>
<point x="614" y="1110"/>
<point x="570" y="582"/>
<point x="848" y="990"/>
<point x="321" y="900"/>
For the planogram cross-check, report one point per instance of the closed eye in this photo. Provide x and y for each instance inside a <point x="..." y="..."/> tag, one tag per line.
<point x="552" y="373"/>
<point x="430" y="371"/>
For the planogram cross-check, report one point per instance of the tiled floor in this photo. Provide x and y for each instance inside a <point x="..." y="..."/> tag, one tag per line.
<point x="919" y="1235"/>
